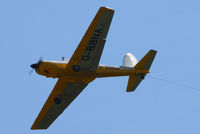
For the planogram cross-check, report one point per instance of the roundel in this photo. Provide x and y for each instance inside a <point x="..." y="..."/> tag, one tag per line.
<point x="76" y="68"/>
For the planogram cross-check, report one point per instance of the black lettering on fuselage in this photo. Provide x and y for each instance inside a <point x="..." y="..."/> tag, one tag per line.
<point x="92" y="44"/>
<point x="99" y="30"/>
<point x="95" y="36"/>
<point x="90" y="48"/>
<point x="86" y="57"/>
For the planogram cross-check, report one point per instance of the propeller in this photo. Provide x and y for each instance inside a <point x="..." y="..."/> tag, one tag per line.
<point x="35" y="66"/>
<point x="30" y="72"/>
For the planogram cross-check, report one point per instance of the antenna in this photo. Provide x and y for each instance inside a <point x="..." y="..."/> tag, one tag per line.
<point x="174" y="83"/>
<point x="63" y="58"/>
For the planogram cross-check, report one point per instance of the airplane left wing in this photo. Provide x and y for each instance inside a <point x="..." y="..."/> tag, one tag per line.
<point x="61" y="97"/>
<point x="87" y="55"/>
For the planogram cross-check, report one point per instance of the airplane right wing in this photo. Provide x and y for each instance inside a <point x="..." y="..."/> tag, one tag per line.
<point x="87" y="55"/>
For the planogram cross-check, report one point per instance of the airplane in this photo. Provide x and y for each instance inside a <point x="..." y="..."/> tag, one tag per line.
<point x="83" y="67"/>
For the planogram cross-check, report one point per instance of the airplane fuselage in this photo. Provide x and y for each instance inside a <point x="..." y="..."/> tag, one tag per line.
<point x="83" y="67"/>
<point x="56" y="69"/>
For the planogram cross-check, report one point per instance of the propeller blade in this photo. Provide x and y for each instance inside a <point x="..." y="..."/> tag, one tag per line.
<point x="37" y="65"/>
<point x="30" y="72"/>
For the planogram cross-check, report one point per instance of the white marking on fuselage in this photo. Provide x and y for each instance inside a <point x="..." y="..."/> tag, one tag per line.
<point x="60" y="62"/>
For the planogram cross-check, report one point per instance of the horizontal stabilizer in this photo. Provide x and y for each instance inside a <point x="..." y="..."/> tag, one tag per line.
<point x="146" y="61"/>
<point x="133" y="83"/>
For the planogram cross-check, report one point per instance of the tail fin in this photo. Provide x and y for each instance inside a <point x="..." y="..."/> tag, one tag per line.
<point x="141" y="68"/>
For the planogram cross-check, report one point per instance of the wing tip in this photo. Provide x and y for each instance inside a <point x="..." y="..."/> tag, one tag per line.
<point x="35" y="128"/>
<point x="154" y="51"/>
<point x="38" y="128"/>
<point x="107" y="8"/>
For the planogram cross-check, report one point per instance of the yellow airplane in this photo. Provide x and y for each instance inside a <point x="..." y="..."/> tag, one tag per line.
<point x="83" y="67"/>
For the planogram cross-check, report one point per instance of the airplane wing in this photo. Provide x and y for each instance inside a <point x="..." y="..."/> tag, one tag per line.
<point x="61" y="97"/>
<point x="87" y="55"/>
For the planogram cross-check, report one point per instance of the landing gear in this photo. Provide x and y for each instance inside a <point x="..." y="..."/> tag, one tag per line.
<point x="76" y="68"/>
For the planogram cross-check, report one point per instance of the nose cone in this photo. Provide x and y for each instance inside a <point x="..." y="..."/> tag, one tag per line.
<point x="34" y="66"/>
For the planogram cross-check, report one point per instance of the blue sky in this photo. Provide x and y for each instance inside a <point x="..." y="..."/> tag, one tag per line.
<point x="53" y="29"/>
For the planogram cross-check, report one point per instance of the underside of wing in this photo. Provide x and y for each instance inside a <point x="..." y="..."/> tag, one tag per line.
<point x="87" y="55"/>
<point x="61" y="97"/>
